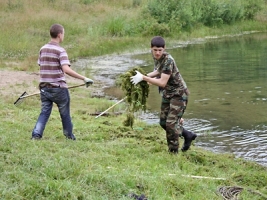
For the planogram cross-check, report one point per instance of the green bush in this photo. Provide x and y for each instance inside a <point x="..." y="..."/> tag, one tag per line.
<point x="252" y="7"/>
<point x="188" y="13"/>
<point x="226" y="12"/>
<point x="157" y="29"/>
<point x="116" y="26"/>
<point x="211" y="13"/>
<point x="232" y="11"/>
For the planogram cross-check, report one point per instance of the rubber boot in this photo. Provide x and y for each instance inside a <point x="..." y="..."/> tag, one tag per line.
<point x="188" y="138"/>
<point x="173" y="151"/>
<point x="173" y="146"/>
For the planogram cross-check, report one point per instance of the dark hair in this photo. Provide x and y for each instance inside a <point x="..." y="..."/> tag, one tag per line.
<point x="157" y="41"/>
<point x="55" y="30"/>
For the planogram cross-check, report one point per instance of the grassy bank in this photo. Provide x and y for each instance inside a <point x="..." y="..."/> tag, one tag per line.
<point x="97" y="27"/>
<point x="108" y="160"/>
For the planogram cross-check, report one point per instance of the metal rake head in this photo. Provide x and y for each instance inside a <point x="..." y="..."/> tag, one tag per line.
<point x="20" y="99"/>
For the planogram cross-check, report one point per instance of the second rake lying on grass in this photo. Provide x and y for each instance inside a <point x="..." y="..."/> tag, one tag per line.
<point x="25" y="95"/>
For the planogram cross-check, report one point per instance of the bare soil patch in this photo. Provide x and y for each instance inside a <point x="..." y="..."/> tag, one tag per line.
<point x="14" y="83"/>
<point x="103" y="70"/>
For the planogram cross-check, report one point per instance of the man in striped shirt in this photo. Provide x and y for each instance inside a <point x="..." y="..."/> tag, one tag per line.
<point x="54" y="63"/>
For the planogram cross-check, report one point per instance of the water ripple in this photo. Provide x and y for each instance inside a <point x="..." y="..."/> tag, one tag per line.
<point x="248" y="144"/>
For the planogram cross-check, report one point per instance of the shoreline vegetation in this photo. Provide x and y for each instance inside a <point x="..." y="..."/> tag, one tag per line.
<point x="110" y="160"/>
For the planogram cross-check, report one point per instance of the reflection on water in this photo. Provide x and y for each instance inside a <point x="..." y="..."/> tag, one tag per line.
<point x="227" y="79"/>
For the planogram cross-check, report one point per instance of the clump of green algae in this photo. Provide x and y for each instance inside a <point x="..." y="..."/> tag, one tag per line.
<point x="135" y="95"/>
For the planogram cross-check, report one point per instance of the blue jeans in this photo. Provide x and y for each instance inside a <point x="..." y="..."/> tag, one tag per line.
<point x="61" y="97"/>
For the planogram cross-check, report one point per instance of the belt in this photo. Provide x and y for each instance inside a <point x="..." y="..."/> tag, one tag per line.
<point x="48" y="85"/>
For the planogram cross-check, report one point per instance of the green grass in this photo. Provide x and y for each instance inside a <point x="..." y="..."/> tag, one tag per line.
<point x="108" y="160"/>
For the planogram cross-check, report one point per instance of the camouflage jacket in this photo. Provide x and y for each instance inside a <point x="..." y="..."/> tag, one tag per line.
<point x="176" y="84"/>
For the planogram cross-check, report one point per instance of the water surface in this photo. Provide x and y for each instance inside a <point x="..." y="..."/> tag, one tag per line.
<point x="227" y="78"/>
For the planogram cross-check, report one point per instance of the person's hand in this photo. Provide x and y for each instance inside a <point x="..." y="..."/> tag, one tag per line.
<point x="137" y="78"/>
<point x="186" y="91"/>
<point x="88" y="81"/>
<point x="181" y="121"/>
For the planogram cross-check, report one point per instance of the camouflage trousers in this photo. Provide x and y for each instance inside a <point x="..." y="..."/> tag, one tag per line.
<point x="172" y="111"/>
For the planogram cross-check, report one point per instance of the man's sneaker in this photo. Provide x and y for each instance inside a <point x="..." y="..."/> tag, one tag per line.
<point x="71" y="138"/>
<point x="36" y="138"/>
<point x="188" y="138"/>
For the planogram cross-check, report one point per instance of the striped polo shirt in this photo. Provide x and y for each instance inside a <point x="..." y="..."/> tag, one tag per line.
<point x="51" y="59"/>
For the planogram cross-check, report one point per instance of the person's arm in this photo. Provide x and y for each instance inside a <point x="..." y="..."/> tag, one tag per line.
<point x="161" y="82"/>
<point x="153" y="74"/>
<point x="70" y="72"/>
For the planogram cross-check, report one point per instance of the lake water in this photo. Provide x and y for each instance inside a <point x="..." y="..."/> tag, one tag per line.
<point x="227" y="78"/>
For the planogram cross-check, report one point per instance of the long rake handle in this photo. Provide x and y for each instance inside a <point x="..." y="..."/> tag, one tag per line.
<point x="74" y="86"/>
<point x="110" y="107"/>
<point x="29" y="95"/>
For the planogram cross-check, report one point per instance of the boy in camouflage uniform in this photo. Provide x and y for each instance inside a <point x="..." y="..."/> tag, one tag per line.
<point x="174" y="94"/>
